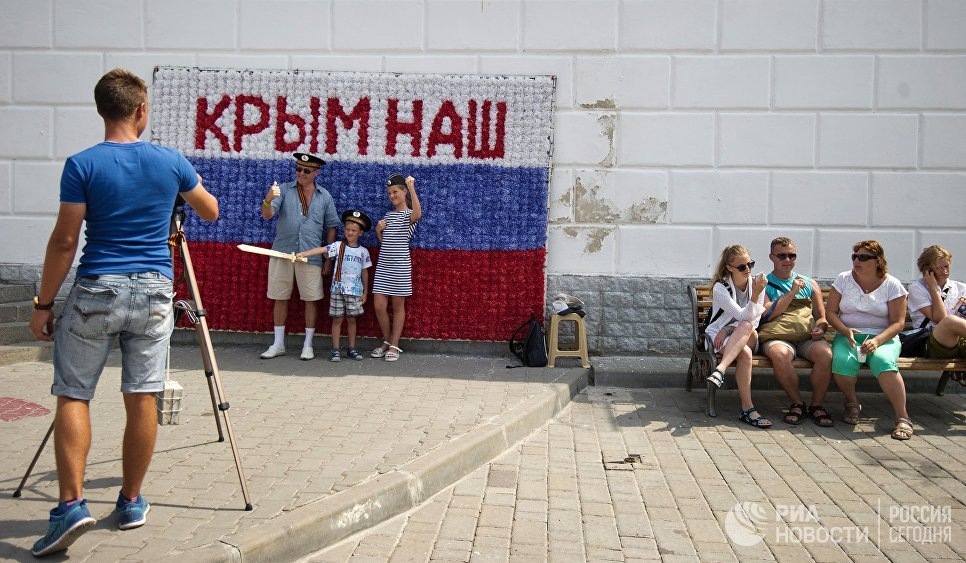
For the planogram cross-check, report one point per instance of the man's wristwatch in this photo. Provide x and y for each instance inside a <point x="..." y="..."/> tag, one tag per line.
<point x="266" y="203"/>
<point x="38" y="306"/>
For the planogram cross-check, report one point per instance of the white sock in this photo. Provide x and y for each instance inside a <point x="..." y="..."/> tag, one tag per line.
<point x="309" y="333"/>
<point x="279" y="337"/>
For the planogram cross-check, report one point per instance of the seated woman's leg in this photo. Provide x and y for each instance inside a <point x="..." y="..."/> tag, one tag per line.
<point x="949" y="333"/>
<point x="883" y="366"/>
<point x="735" y="343"/>
<point x="845" y="366"/>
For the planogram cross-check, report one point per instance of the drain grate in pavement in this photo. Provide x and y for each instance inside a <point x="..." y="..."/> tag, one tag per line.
<point x="12" y="408"/>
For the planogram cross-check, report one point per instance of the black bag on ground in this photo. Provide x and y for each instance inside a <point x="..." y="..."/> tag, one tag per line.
<point x="529" y="344"/>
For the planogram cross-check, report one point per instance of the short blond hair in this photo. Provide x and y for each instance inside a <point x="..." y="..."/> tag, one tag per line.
<point x="930" y="255"/>
<point x="118" y="93"/>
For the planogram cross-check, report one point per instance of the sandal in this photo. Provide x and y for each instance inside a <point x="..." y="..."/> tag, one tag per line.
<point x="851" y="415"/>
<point x="379" y="351"/>
<point x="716" y="378"/>
<point x="820" y="416"/>
<point x="392" y="354"/>
<point x="758" y="421"/>
<point x="903" y="429"/>
<point x="795" y="418"/>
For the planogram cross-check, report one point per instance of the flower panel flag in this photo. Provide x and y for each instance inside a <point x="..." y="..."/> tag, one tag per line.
<point x="479" y="148"/>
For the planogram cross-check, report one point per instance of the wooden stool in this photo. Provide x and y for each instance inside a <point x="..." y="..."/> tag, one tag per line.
<point x="580" y="336"/>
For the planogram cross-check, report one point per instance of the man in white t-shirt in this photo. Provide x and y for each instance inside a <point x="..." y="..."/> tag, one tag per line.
<point x="940" y="303"/>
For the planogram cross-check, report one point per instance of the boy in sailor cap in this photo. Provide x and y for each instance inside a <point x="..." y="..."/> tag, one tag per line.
<point x="350" y="281"/>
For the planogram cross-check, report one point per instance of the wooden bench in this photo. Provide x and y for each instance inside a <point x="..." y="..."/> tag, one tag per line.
<point x="703" y="359"/>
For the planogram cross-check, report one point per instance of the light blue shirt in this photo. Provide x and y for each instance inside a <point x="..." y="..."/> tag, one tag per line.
<point x="295" y="232"/>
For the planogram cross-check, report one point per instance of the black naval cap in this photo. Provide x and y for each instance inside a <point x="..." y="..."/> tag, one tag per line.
<point x="308" y="159"/>
<point x="357" y="217"/>
<point x="396" y="180"/>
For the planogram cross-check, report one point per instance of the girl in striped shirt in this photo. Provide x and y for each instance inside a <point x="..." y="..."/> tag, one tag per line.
<point x="393" y="279"/>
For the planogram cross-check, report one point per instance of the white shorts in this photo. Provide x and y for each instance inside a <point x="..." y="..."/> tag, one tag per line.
<point x="281" y="273"/>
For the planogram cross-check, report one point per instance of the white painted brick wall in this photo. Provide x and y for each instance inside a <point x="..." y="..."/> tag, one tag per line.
<point x="820" y="199"/>
<point x="891" y="193"/>
<point x="769" y="24"/>
<point x="720" y="82"/>
<point x="36" y="188"/>
<point x="569" y="25"/>
<point x="622" y="82"/>
<point x="666" y="139"/>
<point x="75" y="129"/>
<point x="871" y="24"/>
<point x="823" y="81"/>
<point x="666" y="251"/>
<point x="191" y="24"/>
<point x="285" y="25"/>
<point x="25" y="132"/>
<point x="719" y="198"/>
<point x="922" y="82"/>
<point x="26" y="24"/>
<point x="81" y="24"/>
<point x="389" y="25"/>
<point x="953" y="240"/>
<point x="943" y="141"/>
<point x="945" y="24"/>
<point x="668" y="25"/>
<point x="857" y="104"/>
<point x="472" y="25"/>
<point x="864" y="140"/>
<point x="35" y="76"/>
<point x="766" y="140"/>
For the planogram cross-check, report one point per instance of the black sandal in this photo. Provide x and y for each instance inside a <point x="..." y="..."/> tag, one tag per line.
<point x="820" y="416"/>
<point x="758" y="421"/>
<point x="795" y="418"/>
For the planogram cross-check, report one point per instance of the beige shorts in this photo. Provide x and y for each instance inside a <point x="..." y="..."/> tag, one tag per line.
<point x="281" y="273"/>
<point x="800" y="349"/>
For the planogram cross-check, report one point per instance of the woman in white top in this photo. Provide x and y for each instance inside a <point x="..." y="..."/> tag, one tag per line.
<point x="942" y="301"/>
<point x="737" y="302"/>
<point x="867" y="308"/>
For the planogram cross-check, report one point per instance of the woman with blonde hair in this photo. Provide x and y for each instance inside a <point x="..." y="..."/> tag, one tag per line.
<point x="867" y="308"/>
<point x="939" y="304"/>
<point x="737" y="302"/>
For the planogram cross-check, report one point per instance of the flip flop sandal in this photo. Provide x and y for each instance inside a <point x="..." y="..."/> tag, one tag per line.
<point x="758" y="421"/>
<point x="795" y="418"/>
<point x="392" y="354"/>
<point x="379" y="351"/>
<point x="850" y="417"/>
<point x="903" y="429"/>
<point x="820" y="416"/>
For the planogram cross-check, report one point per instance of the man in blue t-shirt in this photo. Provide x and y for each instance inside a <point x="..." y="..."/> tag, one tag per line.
<point x="784" y="287"/>
<point x="125" y="190"/>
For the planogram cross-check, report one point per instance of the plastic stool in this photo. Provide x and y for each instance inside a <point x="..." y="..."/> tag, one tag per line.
<point x="580" y="335"/>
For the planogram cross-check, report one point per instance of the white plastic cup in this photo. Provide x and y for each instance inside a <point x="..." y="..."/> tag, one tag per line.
<point x="858" y="350"/>
<point x="861" y="355"/>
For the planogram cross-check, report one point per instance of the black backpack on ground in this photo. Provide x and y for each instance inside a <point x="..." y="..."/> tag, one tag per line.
<point x="529" y="344"/>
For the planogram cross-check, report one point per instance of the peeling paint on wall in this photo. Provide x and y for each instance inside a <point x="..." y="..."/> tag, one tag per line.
<point x="606" y="103"/>
<point x="607" y="125"/>
<point x="595" y="240"/>
<point x="566" y="200"/>
<point x="571" y="232"/>
<point x="589" y="208"/>
<point x="651" y="210"/>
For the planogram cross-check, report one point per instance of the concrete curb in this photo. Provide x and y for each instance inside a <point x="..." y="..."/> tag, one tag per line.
<point x="28" y="352"/>
<point x="329" y="520"/>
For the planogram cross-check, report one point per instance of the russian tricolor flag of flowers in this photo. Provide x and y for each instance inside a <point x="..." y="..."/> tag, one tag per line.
<point x="478" y="146"/>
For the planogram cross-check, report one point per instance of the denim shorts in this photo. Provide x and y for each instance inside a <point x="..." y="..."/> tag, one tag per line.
<point x="134" y="308"/>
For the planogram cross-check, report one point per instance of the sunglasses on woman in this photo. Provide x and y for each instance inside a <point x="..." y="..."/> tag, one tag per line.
<point x="744" y="267"/>
<point x="863" y="257"/>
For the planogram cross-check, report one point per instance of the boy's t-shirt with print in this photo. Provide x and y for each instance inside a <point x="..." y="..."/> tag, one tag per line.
<point x="354" y="260"/>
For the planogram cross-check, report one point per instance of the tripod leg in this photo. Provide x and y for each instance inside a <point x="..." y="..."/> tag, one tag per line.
<point x="209" y="375"/>
<point x="16" y="494"/>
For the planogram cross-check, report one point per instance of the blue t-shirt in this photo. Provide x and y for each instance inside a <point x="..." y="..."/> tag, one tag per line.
<point x="786" y="285"/>
<point x="129" y="190"/>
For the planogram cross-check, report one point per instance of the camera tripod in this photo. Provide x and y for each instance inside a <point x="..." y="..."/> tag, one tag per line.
<point x="195" y="312"/>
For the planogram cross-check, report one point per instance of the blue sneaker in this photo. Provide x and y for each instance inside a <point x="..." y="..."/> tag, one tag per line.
<point x="131" y="513"/>
<point x="67" y="523"/>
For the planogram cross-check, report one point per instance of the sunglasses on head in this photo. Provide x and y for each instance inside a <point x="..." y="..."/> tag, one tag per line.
<point x="786" y="256"/>
<point x="744" y="267"/>
<point x="863" y="257"/>
<point x="305" y="170"/>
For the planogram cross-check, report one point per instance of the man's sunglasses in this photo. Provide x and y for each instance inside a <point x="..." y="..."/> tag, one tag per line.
<point x="305" y="170"/>
<point x="788" y="256"/>
<point x="863" y="257"/>
<point x="744" y="267"/>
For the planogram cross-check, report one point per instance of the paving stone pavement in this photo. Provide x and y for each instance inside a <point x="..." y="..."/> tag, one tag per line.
<point x="305" y="430"/>
<point x="702" y="489"/>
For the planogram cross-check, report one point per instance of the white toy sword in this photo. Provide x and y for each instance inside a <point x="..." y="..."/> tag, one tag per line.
<point x="270" y="252"/>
